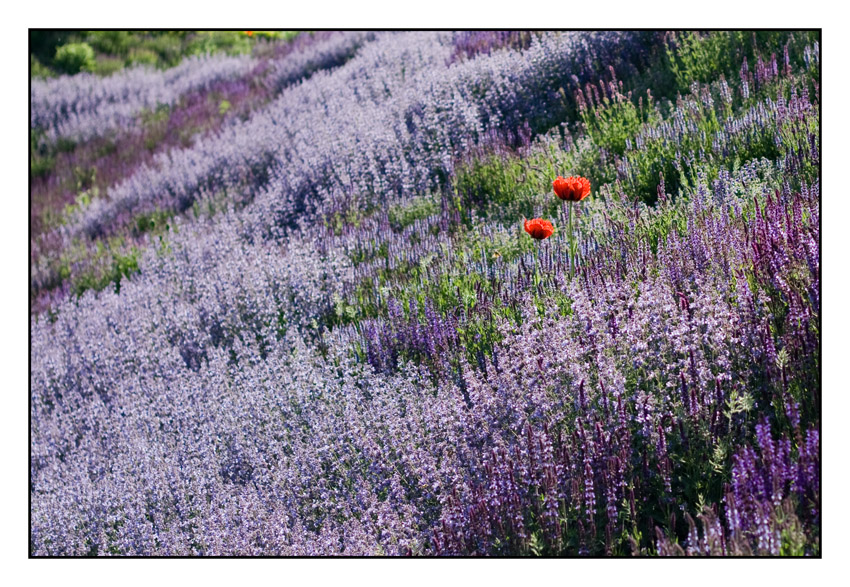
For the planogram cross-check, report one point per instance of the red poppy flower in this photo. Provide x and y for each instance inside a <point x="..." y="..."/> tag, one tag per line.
<point x="539" y="228"/>
<point x="573" y="189"/>
<point x="249" y="33"/>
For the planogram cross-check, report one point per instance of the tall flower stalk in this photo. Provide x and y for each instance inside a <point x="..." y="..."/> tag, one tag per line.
<point x="572" y="240"/>
<point x="538" y="229"/>
<point x="571" y="189"/>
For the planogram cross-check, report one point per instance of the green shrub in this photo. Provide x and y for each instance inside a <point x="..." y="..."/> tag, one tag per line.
<point x="618" y="119"/>
<point x="38" y="69"/>
<point x="700" y="57"/>
<point x="403" y="215"/>
<point x="103" y="267"/>
<point x="150" y="221"/>
<point x="229" y="42"/>
<point x="111" y="42"/>
<point x="107" y="65"/>
<point x="497" y="186"/>
<point x="169" y="47"/>
<point x="74" y="58"/>
<point x="105" y="52"/>
<point x="123" y="266"/>
<point x="142" y="56"/>
<point x="41" y="166"/>
<point x="703" y="57"/>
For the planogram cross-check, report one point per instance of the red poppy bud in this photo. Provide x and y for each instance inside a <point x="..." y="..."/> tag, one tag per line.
<point x="539" y="228"/>
<point x="573" y="189"/>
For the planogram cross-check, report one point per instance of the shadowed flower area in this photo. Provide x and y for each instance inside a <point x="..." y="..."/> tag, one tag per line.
<point x="302" y="307"/>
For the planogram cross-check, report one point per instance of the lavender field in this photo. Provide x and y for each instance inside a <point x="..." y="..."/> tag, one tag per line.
<point x="432" y="294"/>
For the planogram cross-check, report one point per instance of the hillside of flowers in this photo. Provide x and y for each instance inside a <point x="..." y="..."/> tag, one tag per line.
<point x="431" y="293"/>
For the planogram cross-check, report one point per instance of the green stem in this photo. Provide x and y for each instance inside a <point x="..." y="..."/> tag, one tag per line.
<point x="570" y="223"/>
<point x="537" y="271"/>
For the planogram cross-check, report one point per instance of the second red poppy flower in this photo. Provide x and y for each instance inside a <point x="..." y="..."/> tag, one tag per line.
<point x="539" y="228"/>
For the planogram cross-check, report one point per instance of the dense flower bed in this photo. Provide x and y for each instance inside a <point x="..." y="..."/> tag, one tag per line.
<point x="348" y="340"/>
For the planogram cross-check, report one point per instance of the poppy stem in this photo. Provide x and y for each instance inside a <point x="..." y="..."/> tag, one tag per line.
<point x="537" y="272"/>
<point x="570" y="224"/>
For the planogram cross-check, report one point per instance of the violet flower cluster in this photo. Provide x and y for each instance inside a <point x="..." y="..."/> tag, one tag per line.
<point x="84" y="106"/>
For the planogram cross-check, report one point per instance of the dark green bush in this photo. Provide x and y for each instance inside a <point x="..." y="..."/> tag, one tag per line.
<point x="38" y="69"/>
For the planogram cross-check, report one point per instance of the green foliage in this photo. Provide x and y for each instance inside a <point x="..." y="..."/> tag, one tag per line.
<point x="153" y="117"/>
<point x="105" y="52"/>
<point x="74" y="58"/>
<point x="403" y="215"/>
<point x="680" y="165"/>
<point x="230" y="42"/>
<point x="85" y="177"/>
<point x="124" y="266"/>
<point x="793" y="537"/>
<point x="499" y="186"/>
<point x="42" y="160"/>
<point x="618" y="119"/>
<point x="703" y="57"/>
<point x="353" y="216"/>
<point x="41" y="166"/>
<point x="38" y="69"/>
<point x="699" y="57"/>
<point x="155" y="122"/>
<point x="169" y="47"/>
<point x="82" y="200"/>
<point x="107" y="65"/>
<point x="111" y="42"/>
<point x="489" y="181"/>
<point x="103" y="265"/>
<point x="142" y="56"/>
<point x="505" y="186"/>
<point x="107" y="262"/>
<point x="281" y="35"/>
<point x="151" y="221"/>
<point x="43" y="44"/>
<point x="156" y="48"/>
